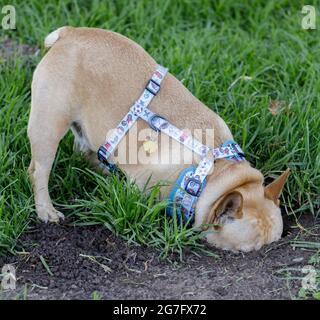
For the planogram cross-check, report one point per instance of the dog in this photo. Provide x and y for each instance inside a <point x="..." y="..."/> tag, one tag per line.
<point x="88" y="80"/>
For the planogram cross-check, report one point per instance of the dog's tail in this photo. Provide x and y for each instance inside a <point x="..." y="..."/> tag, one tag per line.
<point x="54" y="36"/>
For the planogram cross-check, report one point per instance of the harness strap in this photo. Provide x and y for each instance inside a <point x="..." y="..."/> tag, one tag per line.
<point x="140" y="106"/>
<point x="208" y="155"/>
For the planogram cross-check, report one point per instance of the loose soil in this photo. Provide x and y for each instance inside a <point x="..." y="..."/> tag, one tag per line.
<point x="88" y="260"/>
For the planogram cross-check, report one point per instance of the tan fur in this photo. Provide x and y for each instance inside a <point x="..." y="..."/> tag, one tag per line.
<point x="273" y="190"/>
<point x="91" y="77"/>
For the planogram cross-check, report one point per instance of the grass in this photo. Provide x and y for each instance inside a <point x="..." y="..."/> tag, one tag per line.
<point x="136" y="215"/>
<point x="238" y="57"/>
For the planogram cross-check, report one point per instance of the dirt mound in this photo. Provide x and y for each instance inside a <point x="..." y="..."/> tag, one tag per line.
<point x="65" y="262"/>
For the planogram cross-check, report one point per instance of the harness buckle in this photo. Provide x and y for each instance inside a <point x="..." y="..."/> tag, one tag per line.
<point x="153" y="120"/>
<point x="102" y="157"/>
<point x="193" y="187"/>
<point x="153" y="87"/>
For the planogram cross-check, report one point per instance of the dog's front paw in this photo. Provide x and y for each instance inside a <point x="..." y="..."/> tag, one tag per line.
<point x="49" y="214"/>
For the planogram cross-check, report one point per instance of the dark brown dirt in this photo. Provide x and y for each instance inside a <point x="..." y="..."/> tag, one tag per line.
<point x="132" y="272"/>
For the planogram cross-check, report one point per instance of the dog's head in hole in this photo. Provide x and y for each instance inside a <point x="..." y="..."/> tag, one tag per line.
<point x="245" y="217"/>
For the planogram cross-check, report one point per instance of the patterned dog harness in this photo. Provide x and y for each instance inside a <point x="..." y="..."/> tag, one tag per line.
<point x="192" y="180"/>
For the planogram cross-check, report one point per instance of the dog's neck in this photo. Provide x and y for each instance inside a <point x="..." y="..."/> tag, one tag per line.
<point x="227" y="176"/>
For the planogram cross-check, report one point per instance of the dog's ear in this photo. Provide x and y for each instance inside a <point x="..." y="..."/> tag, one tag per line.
<point x="228" y="208"/>
<point x="273" y="190"/>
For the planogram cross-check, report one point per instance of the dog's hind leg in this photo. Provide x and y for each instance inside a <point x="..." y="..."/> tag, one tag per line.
<point x="47" y="126"/>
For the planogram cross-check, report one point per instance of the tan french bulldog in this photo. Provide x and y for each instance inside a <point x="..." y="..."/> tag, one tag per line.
<point x="87" y="82"/>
